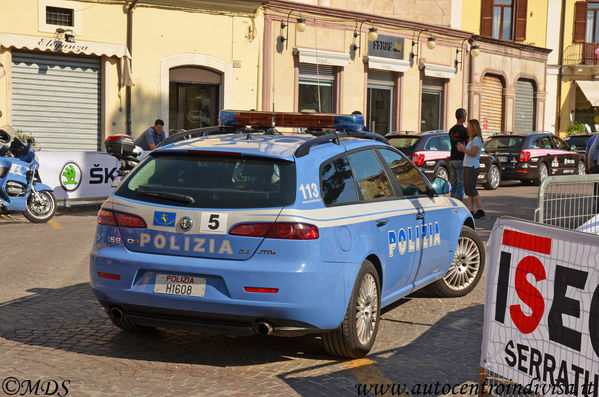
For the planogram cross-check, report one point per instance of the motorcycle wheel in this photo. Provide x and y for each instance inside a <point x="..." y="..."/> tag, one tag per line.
<point x="42" y="210"/>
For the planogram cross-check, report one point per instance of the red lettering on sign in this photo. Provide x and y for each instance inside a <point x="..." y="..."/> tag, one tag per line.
<point x="529" y="242"/>
<point x="528" y="294"/>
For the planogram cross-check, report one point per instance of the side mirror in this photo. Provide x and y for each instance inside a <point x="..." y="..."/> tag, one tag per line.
<point x="573" y="147"/>
<point x="441" y="186"/>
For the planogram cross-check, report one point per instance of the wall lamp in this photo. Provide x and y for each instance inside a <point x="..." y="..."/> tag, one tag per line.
<point x="300" y="26"/>
<point x="69" y="36"/>
<point x="372" y="36"/>
<point x="459" y="52"/>
<point x="430" y="44"/>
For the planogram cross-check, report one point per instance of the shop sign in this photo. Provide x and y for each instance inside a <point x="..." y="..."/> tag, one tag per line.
<point x="387" y="47"/>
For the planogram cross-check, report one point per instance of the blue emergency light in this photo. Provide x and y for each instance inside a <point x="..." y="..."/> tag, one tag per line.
<point x="293" y="120"/>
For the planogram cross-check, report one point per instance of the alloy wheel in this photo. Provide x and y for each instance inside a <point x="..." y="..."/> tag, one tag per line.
<point x="465" y="264"/>
<point x="366" y="309"/>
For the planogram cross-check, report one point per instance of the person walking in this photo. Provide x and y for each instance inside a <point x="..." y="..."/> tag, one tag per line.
<point x="457" y="134"/>
<point x="152" y="136"/>
<point x="472" y="166"/>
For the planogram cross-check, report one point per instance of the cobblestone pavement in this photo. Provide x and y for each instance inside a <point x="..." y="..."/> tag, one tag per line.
<point x="52" y="328"/>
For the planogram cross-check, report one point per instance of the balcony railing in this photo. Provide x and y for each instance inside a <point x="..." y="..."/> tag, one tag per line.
<point x="581" y="54"/>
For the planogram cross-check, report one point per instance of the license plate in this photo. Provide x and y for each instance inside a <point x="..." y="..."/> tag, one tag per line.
<point x="503" y="159"/>
<point x="171" y="284"/>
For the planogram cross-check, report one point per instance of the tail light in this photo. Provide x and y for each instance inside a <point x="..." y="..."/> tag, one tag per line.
<point x="418" y="159"/>
<point x="280" y="230"/>
<point x="115" y="218"/>
<point x="524" y="156"/>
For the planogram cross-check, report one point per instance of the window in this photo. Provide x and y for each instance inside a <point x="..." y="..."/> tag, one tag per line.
<point x="430" y="112"/>
<point x="545" y="143"/>
<point x="503" y="142"/>
<point x="438" y="143"/>
<point x="560" y="144"/>
<point x="337" y="182"/>
<point x="316" y="88"/>
<point x="410" y="180"/>
<point x="592" y="30"/>
<point x="212" y="182"/>
<point x="502" y="19"/>
<point x="536" y="144"/>
<point x="371" y="177"/>
<point x="59" y="16"/>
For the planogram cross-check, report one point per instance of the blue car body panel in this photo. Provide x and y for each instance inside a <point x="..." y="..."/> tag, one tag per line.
<point x="314" y="278"/>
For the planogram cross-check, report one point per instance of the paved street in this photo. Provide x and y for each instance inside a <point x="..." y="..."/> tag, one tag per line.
<point x="53" y="328"/>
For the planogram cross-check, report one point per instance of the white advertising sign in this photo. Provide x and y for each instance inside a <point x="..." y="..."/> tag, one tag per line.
<point x="541" y="325"/>
<point x="78" y="175"/>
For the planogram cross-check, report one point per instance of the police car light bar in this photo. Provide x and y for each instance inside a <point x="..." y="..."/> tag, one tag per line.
<point x="293" y="120"/>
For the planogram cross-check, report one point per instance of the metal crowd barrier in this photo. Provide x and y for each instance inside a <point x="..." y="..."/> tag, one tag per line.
<point x="570" y="201"/>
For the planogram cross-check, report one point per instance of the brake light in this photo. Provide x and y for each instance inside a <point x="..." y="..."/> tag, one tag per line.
<point x="261" y="290"/>
<point x="115" y="218"/>
<point x="280" y="230"/>
<point x="524" y="156"/>
<point x="418" y="158"/>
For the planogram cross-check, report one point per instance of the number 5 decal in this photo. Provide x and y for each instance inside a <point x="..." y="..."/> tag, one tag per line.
<point x="214" y="222"/>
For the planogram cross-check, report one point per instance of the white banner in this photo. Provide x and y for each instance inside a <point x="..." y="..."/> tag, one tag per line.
<point x="541" y="325"/>
<point x="78" y="175"/>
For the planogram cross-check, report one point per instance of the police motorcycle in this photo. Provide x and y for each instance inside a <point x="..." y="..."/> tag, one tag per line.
<point x="123" y="148"/>
<point x="21" y="189"/>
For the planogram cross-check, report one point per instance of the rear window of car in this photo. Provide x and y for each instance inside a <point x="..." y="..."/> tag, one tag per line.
<point x="404" y="141"/>
<point x="212" y="182"/>
<point x="503" y="142"/>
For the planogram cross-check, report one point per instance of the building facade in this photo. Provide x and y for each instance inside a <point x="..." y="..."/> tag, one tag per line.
<point x="74" y="72"/>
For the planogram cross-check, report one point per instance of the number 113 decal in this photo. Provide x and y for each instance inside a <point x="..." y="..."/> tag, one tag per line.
<point x="310" y="191"/>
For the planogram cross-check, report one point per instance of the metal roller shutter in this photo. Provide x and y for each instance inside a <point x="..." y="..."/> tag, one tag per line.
<point x="491" y="105"/>
<point x="56" y="98"/>
<point x="525" y="107"/>
<point x="381" y="77"/>
<point x="307" y="71"/>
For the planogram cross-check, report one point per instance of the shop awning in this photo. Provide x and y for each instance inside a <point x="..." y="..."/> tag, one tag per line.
<point x="381" y="63"/>
<point x="440" y="71"/>
<point x="590" y="89"/>
<point x="321" y="57"/>
<point x="56" y="45"/>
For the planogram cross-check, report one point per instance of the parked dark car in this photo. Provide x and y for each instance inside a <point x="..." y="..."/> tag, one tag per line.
<point x="533" y="157"/>
<point x="579" y="142"/>
<point x="430" y="151"/>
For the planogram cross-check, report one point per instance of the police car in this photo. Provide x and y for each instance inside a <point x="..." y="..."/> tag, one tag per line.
<point x="239" y="229"/>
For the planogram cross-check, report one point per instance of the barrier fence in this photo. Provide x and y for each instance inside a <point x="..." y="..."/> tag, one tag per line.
<point x="541" y="328"/>
<point x="570" y="201"/>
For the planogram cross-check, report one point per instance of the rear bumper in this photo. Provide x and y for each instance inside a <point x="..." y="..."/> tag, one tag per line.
<point x="312" y="295"/>
<point x="519" y="173"/>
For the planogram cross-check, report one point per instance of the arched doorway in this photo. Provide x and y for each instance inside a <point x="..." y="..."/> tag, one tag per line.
<point x="195" y="97"/>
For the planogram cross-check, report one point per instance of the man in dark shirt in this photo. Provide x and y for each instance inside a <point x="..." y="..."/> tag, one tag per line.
<point x="458" y="133"/>
<point x="152" y="136"/>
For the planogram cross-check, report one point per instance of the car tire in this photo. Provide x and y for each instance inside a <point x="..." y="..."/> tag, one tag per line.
<point x="356" y="334"/>
<point x="493" y="178"/>
<point x="442" y="173"/>
<point x="542" y="175"/>
<point x="581" y="168"/>
<point x="466" y="268"/>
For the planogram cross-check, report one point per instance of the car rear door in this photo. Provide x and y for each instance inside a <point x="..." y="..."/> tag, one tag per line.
<point x="568" y="158"/>
<point x="393" y="222"/>
<point x="433" y="229"/>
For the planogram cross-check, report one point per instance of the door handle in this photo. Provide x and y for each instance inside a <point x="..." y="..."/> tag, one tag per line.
<point x="382" y="222"/>
<point x="420" y="215"/>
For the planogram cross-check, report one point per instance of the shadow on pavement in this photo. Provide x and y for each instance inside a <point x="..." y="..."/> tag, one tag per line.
<point x="71" y="319"/>
<point x="450" y="347"/>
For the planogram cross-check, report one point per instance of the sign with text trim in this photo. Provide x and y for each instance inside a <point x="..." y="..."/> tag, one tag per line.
<point x="387" y="47"/>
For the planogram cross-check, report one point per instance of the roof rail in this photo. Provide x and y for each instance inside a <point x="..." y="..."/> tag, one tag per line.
<point x="305" y="147"/>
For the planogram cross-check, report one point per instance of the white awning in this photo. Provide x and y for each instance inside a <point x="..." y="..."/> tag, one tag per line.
<point x="443" y="72"/>
<point x="590" y="89"/>
<point x="52" y="44"/>
<point x="321" y="57"/>
<point x="393" y="65"/>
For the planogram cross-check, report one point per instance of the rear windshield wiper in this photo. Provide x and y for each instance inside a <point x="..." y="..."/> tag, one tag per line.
<point x="183" y="198"/>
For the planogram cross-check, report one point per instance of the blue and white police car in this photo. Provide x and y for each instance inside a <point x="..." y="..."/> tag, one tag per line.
<point x="243" y="230"/>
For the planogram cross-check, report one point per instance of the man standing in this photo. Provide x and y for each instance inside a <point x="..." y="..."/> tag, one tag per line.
<point x="152" y="136"/>
<point x="458" y="133"/>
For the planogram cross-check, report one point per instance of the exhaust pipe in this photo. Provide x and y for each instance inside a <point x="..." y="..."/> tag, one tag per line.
<point x="263" y="328"/>
<point x="116" y="313"/>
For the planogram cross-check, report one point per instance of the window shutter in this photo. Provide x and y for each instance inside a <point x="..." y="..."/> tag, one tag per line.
<point x="486" y="18"/>
<point x="521" y="11"/>
<point x="580" y="21"/>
